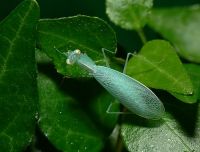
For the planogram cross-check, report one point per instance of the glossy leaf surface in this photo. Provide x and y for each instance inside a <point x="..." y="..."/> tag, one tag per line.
<point x="194" y="72"/>
<point x="18" y="88"/>
<point x="158" y="66"/>
<point x="74" y="120"/>
<point x="178" y="131"/>
<point x="89" y="34"/>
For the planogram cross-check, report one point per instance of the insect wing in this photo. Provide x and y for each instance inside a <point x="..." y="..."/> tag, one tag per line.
<point x="131" y="93"/>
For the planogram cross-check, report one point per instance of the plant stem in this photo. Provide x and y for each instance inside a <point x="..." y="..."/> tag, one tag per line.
<point x="142" y="35"/>
<point x="119" y="145"/>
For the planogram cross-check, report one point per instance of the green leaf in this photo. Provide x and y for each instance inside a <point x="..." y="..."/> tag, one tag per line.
<point x="194" y="72"/>
<point x="73" y="115"/>
<point x="178" y="131"/>
<point x="158" y="66"/>
<point x="89" y="34"/>
<point x="18" y="88"/>
<point x="129" y="14"/>
<point x="181" y="27"/>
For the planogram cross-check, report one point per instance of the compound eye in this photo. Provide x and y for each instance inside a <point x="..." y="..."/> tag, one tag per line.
<point x="77" y="51"/>
<point x="68" y="61"/>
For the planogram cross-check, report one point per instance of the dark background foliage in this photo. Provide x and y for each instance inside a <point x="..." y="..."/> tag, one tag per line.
<point x="127" y="40"/>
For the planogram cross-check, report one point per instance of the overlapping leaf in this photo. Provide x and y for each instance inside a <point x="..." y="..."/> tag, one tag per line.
<point x="194" y="72"/>
<point x="18" y="88"/>
<point x="67" y="118"/>
<point x="178" y="131"/>
<point x="181" y="27"/>
<point x="129" y="14"/>
<point x="89" y="34"/>
<point x="158" y="66"/>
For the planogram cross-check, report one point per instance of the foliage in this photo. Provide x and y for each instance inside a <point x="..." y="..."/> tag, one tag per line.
<point x="18" y="86"/>
<point x="43" y="98"/>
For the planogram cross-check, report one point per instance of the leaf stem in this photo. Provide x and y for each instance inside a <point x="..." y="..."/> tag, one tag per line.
<point x="142" y="35"/>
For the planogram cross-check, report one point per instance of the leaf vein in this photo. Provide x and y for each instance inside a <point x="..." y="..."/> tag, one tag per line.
<point x="176" y="134"/>
<point x="72" y="41"/>
<point x="6" y="59"/>
<point x="169" y="76"/>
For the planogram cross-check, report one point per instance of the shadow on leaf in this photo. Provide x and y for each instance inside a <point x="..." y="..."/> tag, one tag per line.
<point x="186" y="115"/>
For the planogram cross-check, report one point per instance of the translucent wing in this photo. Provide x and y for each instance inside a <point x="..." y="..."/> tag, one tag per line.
<point x="131" y="93"/>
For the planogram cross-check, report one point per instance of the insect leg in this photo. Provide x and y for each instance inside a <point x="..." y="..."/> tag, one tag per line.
<point x="104" y="55"/>
<point x="112" y="104"/>
<point x="126" y="62"/>
<point x="139" y="56"/>
<point x="109" y="111"/>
